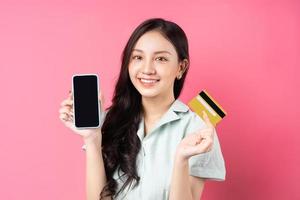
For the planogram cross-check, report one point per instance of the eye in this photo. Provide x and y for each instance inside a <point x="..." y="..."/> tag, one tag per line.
<point x="136" y="57"/>
<point x="163" y="59"/>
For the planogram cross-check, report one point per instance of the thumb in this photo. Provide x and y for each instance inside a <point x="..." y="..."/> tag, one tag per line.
<point x="206" y="119"/>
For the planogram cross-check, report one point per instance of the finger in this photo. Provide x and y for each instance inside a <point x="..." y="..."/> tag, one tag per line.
<point x="64" y="117"/>
<point x="194" y="150"/>
<point x="71" y="94"/>
<point x="68" y="107"/>
<point x="67" y="102"/>
<point x="205" y="134"/>
<point x="206" y="119"/>
<point x="66" y="110"/>
<point x="200" y="138"/>
<point x="209" y="129"/>
<point x="205" y="130"/>
<point x="205" y="145"/>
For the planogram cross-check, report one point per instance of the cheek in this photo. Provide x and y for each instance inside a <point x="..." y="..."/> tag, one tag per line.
<point x="132" y="72"/>
<point x="167" y="72"/>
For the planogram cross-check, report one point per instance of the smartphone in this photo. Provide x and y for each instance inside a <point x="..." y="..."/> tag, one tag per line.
<point x="85" y="100"/>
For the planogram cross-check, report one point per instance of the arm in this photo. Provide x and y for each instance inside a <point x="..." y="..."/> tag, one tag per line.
<point x="184" y="186"/>
<point x="197" y="186"/>
<point x="95" y="172"/>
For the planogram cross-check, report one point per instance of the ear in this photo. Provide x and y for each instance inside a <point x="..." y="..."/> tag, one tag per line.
<point x="183" y="66"/>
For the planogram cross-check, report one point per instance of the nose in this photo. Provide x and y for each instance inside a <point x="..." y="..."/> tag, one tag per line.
<point x="148" y="68"/>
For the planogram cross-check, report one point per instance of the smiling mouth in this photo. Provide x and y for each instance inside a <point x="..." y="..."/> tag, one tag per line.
<point x="148" y="80"/>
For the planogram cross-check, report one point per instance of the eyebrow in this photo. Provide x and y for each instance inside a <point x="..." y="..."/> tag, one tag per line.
<point x="156" y="52"/>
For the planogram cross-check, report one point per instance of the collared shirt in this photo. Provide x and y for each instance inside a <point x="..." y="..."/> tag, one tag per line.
<point x="156" y="156"/>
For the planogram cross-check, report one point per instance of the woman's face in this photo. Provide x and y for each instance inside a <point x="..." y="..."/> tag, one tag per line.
<point x="154" y="66"/>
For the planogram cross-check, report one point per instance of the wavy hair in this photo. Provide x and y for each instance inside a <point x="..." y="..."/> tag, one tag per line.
<point x="120" y="143"/>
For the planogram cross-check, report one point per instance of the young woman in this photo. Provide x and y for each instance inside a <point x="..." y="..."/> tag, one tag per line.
<point x="151" y="146"/>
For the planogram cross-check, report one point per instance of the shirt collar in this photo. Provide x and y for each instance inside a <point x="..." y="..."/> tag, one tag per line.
<point x="178" y="106"/>
<point x="171" y="115"/>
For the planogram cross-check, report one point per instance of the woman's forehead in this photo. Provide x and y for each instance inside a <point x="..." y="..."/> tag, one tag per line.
<point x="154" y="41"/>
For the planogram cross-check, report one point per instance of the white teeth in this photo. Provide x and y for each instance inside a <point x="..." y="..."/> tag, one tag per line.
<point x="148" y="81"/>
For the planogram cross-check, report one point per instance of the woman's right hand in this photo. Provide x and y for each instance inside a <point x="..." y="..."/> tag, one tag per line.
<point x="66" y="114"/>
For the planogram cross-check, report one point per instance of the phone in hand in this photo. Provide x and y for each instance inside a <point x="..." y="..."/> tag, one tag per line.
<point x="85" y="100"/>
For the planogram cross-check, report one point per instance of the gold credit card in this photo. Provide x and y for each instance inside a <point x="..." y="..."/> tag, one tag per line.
<point x="203" y="101"/>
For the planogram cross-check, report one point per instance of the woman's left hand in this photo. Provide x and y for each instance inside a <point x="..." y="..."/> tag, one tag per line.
<point x="199" y="142"/>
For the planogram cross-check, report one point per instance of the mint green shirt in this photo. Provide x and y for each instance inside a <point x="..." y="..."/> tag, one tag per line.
<point x="156" y="156"/>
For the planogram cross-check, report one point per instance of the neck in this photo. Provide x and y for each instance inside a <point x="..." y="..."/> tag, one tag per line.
<point x="154" y="108"/>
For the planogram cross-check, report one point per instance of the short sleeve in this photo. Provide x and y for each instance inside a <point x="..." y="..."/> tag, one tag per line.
<point x="209" y="165"/>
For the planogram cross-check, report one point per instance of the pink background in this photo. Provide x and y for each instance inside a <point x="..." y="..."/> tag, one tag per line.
<point x="246" y="54"/>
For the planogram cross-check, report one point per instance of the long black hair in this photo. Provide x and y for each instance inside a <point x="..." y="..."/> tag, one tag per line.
<point x="120" y="143"/>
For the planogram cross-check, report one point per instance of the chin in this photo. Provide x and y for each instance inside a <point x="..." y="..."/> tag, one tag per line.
<point x="148" y="95"/>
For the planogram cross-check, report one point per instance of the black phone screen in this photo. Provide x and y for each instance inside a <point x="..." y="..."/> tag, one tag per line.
<point x="86" y="103"/>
